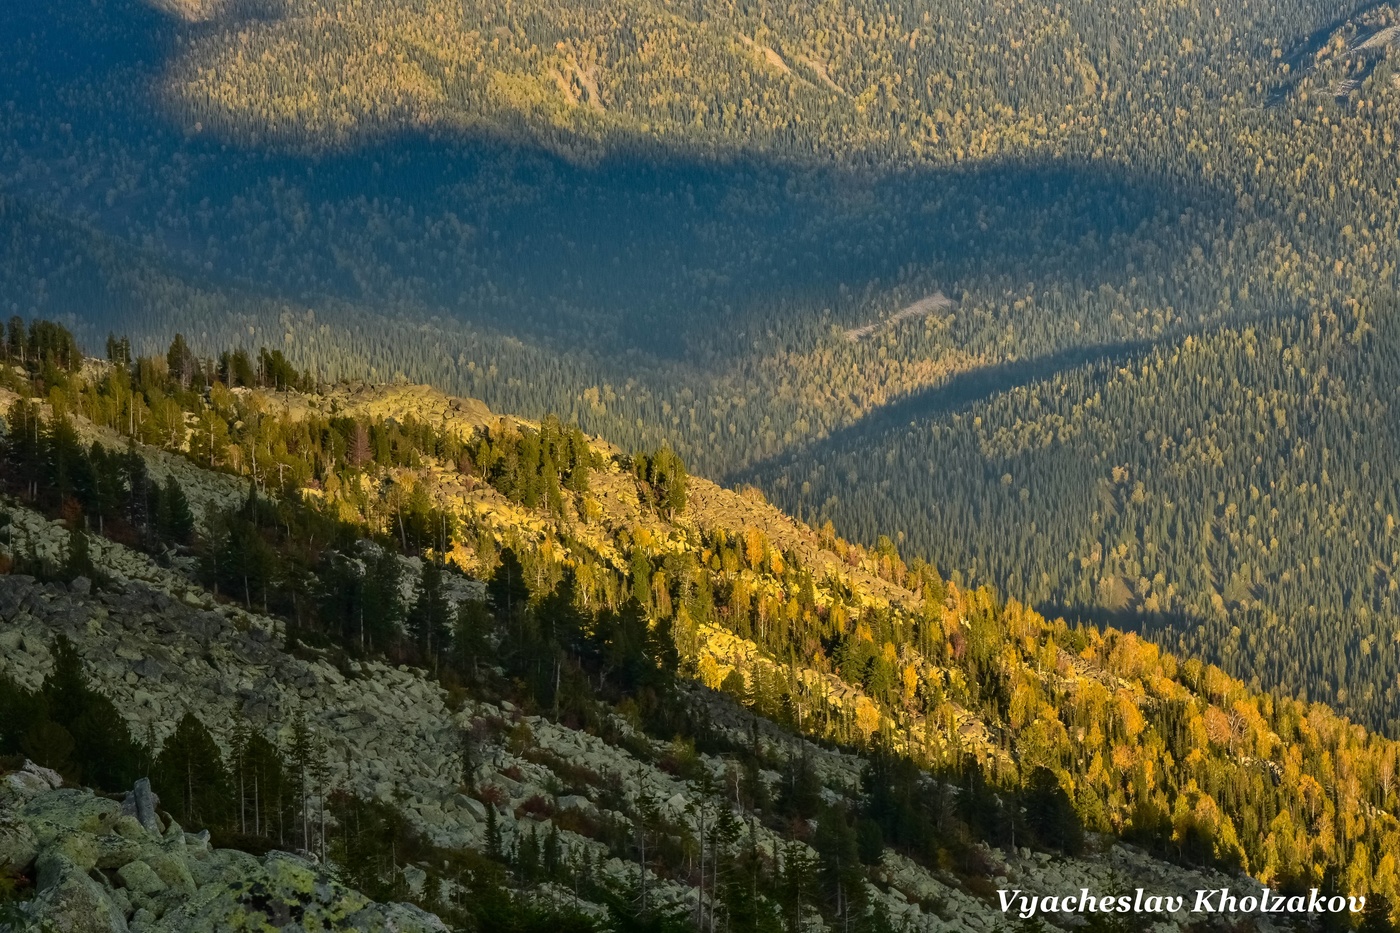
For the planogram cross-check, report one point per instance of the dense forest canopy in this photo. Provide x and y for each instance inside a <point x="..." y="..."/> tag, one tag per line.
<point x="741" y="229"/>
<point x="1234" y="496"/>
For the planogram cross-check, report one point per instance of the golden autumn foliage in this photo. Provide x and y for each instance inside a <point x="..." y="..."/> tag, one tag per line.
<point x="1176" y="754"/>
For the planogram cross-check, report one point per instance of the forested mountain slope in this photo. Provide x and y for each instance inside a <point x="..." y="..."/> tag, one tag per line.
<point x="492" y="817"/>
<point x="741" y="231"/>
<point x="1232" y="495"/>
<point x="689" y="217"/>
<point x="896" y="723"/>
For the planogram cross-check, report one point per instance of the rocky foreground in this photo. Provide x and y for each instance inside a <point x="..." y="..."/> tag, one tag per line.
<point x="160" y="646"/>
<point x="104" y="866"/>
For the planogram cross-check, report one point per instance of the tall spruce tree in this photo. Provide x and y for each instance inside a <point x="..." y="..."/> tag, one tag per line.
<point x="429" y="620"/>
<point x="507" y="590"/>
<point x="383" y="599"/>
<point x="174" y="519"/>
<point x="105" y="754"/>
<point x="190" y="776"/>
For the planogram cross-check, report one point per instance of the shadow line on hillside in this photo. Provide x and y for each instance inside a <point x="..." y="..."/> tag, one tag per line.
<point x="958" y="393"/>
<point x="677" y="259"/>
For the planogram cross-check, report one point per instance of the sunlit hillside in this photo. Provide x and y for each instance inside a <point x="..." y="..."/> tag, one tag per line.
<point x="749" y="233"/>
<point x="618" y="586"/>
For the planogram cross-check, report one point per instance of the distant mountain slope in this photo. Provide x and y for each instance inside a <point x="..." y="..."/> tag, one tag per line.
<point x="1234" y="496"/>
<point x="679" y="214"/>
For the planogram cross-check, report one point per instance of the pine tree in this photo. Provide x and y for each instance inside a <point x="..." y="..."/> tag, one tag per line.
<point x="118" y="351"/>
<point x="14" y="342"/>
<point x="551" y="857"/>
<point x="428" y="620"/>
<point x="180" y="361"/>
<point x="190" y="777"/>
<point x="798" y="883"/>
<point x="306" y="758"/>
<point x="1051" y="814"/>
<point x="239" y="771"/>
<point x="77" y="561"/>
<point x="1375" y="917"/>
<point x="51" y="745"/>
<point x="246" y="560"/>
<point x="508" y="593"/>
<point x="799" y="791"/>
<point x="265" y="783"/>
<point x="383" y="600"/>
<point x="843" y="878"/>
<point x="470" y="635"/>
<point x="564" y="622"/>
<point x="527" y="856"/>
<point x="357" y="450"/>
<point x="109" y="484"/>
<point x="107" y="756"/>
<point x="174" y="519"/>
<point x="138" y="487"/>
<point x="494" y="844"/>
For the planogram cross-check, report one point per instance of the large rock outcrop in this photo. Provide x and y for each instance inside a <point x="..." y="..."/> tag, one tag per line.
<point x="107" y="866"/>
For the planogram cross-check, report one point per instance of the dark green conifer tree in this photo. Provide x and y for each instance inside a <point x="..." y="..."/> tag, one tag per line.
<point x="507" y="590"/>
<point x="104" y="753"/>
<point x="77" y="560"/>
<point x="494" y="844"/>
<point x="1050" y="813"/>
<point x="190" y="777"/>
<point x="799" y="791"/>
<point x="383" y="599"/>
<point x="430" y="618"/>
<point x="842" y="875"/>
<point x="1375" y="917"/>
<point x="174" y="519"/>
<point x="470" y="634"/>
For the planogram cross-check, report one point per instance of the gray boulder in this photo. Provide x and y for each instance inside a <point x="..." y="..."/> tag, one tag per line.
<point x="141" y="802"/>
<point x="394" y="918"/>
<point x="139" y="878"/>
<point x="20" y="787"/>
<point x="471" y="805"/>
<point x="76" y="904"/>
<point x="47" y="775"/>
<point x="18" y="846"/>
<point x="576" y="802"/>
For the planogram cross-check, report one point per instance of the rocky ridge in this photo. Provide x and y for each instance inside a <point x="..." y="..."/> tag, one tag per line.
<point x="159" y="646"/>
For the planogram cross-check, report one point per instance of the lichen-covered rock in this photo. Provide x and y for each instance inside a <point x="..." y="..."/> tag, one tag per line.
<point x="284" y="892"/>
<point x="172" y="882"/>
<point x="70" y="810"/>
<point x="76" y="904"/>
<point x="18" y="847"/>
<point x="128" y="828"/>
<point x="115" y="850"/>
<point x="173" y="871"/>
<point x="223" y="866"/>
<point x="140" y="879"/>
<point x="80" y="848"/>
